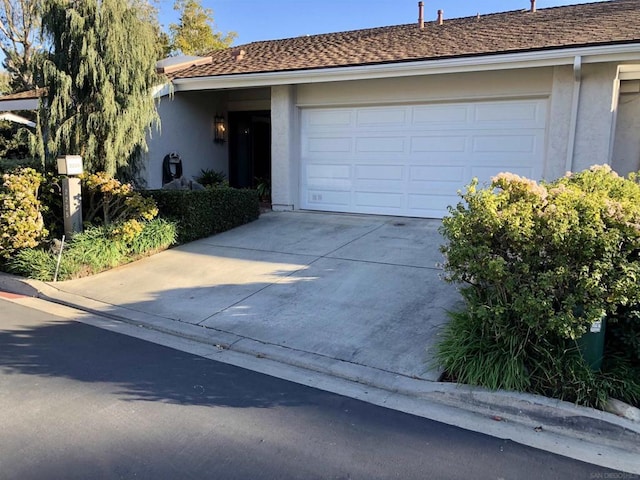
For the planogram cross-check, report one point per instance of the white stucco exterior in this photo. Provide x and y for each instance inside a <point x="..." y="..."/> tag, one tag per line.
<point x="285" y="155"/>
<point x="596" y="116"/>
<point x="626" y="151"/>
<point x="186" y="128"/>
<point x="187" y="122"/>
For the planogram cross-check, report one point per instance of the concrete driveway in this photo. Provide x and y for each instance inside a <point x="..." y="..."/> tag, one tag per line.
<point x="365" y="290"/>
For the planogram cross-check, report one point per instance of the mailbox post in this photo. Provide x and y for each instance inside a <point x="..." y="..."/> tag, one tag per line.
<point x="71" y="165"/>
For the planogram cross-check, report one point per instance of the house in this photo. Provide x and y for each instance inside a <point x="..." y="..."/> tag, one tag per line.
<point x="395" y="120"/>
<point x="11" y="117"/>
<point x="22" y="101"/>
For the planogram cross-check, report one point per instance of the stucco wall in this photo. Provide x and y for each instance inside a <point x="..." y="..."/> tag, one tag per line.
<point x="594" y="132"/>
<point x="285" y="151"/>
<point x="559" y="123"/>
<point x="254" y="99"/>
<point x="626" y="150"/>
<point x="187" y="128"/>
<point x="464" y="86"/>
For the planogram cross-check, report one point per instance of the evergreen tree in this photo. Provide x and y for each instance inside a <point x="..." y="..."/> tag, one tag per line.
<point x="99" y="75"/>
<point x="194" y="34"/>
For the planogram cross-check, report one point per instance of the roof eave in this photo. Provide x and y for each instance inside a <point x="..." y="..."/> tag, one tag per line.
<point x="529" y="59"/>
<point x="22" y="104"/>
<point x="17" y="119"/>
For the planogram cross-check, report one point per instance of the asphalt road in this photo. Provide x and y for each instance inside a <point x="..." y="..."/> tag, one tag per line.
<point x="80" y="402"/>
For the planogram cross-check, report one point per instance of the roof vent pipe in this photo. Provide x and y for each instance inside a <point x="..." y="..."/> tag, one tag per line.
<point x="421" y="14"/>
<point x="440" y="16"/>
<point x="533" y="6"/>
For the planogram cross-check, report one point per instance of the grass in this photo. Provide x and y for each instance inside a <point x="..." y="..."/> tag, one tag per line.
<point x="473" y="357"/>
<point x="472" y="354"/>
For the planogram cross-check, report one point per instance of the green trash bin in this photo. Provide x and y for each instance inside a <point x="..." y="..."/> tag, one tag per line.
<point x="592" y="344"/>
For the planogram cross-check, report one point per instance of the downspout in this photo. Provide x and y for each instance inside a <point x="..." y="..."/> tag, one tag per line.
<point x="615" y="101"/>
<point x="575" y="105"/>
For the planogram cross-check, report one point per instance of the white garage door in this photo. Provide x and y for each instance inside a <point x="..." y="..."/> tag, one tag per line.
<point x="411" y="160"/>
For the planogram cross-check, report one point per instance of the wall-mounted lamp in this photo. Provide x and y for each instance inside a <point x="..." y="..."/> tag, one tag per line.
<point x="219" y="129"/>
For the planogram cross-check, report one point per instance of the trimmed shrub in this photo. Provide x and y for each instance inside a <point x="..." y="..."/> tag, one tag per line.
<point x="538" y="264"/>
<point x="21" y="223"/>
<point x="8" y="165"/>
<point x="201" y="213"/>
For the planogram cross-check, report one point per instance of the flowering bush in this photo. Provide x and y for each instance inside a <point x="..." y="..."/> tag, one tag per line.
<point x="21" y="224"/>
<point x="109" y="201"/>
<point x="539" y="263"/>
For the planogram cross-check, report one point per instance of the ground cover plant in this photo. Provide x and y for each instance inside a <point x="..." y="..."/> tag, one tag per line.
<point x="538" y="264"/>
<point x="93" y="251"/>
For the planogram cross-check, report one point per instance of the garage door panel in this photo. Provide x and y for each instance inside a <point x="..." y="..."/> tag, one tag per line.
<point x="379" y="172"/>
<point x="435" y="116"/>
<point x="412" y="159"/>
<point x="435" y="188"/>
<point x="338" y="171"/>
<point x="329" y="176"/>
<point x="521" y="113"/>
<point x="329" y="118"/>
<point x="438" y="144"/>
<point x="505" y="143"/>
<point x="430" y="205"/>
<point x="329" y="198"/>
<point x="485" y="174"/>
<point x="389" y="201"/>
<point x="379" y="186"/>
<point x="380" y="145"/>
<point x="437" y="173"/>
<point x="329" y="145"/>
<point x="381" y="117"/>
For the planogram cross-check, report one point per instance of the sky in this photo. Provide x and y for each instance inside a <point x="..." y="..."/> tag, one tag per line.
<point x="255" y="20"/>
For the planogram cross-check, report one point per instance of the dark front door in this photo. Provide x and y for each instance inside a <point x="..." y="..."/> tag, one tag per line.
<point x="249" y="148"/>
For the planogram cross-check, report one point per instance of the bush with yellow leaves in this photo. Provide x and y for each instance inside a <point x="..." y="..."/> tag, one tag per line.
<point x="21" y="224"/>
<point x="109" y="202"/>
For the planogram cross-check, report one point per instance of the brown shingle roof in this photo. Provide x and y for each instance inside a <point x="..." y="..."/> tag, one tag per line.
<point x="611" y="22"/>
<point x="29" y="94"/>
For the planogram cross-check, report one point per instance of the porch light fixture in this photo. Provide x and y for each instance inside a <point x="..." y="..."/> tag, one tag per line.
<point x="219" y="129"/>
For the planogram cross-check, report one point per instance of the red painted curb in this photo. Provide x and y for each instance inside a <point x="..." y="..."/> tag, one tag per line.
<point x="10" y="296"/>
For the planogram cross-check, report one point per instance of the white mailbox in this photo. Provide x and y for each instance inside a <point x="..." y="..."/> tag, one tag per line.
<point x="70" y="165"/>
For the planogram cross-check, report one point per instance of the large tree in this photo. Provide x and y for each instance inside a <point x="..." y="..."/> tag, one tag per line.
<point x="194" y="34"/>
<point x="19" y="40"/>
<point x="99" y="77"/>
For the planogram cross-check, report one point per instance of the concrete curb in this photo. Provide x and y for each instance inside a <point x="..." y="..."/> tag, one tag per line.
<point x="532" y="414"/>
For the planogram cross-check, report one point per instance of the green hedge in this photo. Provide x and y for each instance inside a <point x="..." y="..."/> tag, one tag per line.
<point x="201" y="213"/>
